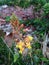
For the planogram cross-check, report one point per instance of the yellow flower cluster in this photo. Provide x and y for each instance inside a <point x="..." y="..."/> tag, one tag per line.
<point x="26" y="43"/>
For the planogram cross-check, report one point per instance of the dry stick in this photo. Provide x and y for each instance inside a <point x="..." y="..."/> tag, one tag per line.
<point x="42" y="63"/>
<point x="44" y="45"/>
<point x="7" y="46"/>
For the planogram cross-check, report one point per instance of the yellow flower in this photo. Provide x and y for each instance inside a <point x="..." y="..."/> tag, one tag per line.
<point x="28" y="45"/>
<point x="17" y="46"/>
<point x="20" y="52"/>
<point x="21" y="43"/>
<point x="22" y="49"/>
<point x="30" y="37"/>
<point x="26" y="40"/>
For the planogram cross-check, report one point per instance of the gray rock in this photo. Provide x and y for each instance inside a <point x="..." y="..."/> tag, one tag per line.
<point x="4" y="6"/>
<point x="7" y="28"/>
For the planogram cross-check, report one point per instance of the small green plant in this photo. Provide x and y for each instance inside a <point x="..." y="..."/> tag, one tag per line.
<point x="7" y="18"/>
<point x="46" y="8"/>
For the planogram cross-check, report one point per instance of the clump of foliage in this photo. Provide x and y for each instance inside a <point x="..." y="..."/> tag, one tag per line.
<point x="16" y="54"/>
<point x="22" y="3"/>
<point x="46" y="8"/>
